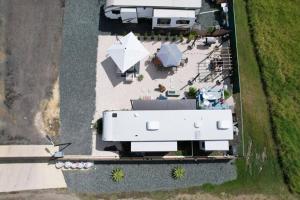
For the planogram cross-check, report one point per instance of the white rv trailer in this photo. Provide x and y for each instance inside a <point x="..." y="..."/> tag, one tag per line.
<point x="164" y="13"/>
<point x="160" y="130"/>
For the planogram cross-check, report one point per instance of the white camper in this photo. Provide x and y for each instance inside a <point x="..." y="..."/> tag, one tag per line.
<point x="164" y="13"/>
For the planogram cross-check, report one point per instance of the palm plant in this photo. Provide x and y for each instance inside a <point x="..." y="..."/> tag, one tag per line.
<point x="117" y="175"/>
<point x="178" y="172"/>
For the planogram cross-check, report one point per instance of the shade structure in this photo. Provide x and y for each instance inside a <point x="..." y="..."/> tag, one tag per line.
<point x="169" y="55"/>
<point x="127" y="51"/>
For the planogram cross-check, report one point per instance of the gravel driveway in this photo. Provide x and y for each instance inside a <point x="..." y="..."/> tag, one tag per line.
<point x="78" y="74"/>
<point x="148" y="177"/>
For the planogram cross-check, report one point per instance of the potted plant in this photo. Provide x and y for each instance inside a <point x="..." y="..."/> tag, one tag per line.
<point x="145" y="36"/>
<point x="117" y="175"/>
<point x="178" y="172"/>
<point x="152" y="35"/>
<point x="168" y="36"/>
<point x="159" y="37"/>
<point x="174" y="38"/>
<point x="140" y="77"/>
<point x="138" y="36"/>
<point x="181" y="37"/>
<point x="211" y="30"/>
<point x="226" y="94"/>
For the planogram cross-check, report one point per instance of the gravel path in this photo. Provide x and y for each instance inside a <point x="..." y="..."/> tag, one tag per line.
<point x="148" y="177"/>
<point x="78" y="74"/>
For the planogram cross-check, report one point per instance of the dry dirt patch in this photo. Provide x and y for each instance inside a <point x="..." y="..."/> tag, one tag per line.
<point x="48" y="118"/>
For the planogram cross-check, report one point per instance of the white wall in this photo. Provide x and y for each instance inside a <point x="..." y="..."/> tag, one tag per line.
<point x="173" y="23"/>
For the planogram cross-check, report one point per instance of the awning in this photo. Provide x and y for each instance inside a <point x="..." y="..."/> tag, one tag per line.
<point x="153" y="146"/>
<point x="170" y="13"/>
<point x="216" y="146"/>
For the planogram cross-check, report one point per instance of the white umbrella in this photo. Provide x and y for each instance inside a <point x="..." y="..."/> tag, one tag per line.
<point x="169" y="55"/>
<point x="127" y="52"/>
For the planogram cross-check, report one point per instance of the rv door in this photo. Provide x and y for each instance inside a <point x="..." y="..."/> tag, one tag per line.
<point x="129" y="15"/>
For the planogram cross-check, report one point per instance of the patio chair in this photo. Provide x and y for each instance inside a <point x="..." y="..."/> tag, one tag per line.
<point x="129" y="77"/>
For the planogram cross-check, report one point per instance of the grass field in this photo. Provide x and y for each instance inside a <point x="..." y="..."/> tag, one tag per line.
<point x="276" y="28"/>
<point x="259" y="171"/>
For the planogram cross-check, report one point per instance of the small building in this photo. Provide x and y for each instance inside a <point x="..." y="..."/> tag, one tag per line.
<point x="160" y="130"/>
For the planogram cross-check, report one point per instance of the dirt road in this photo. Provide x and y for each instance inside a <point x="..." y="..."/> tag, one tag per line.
<point x="31" y="42"/>
<point x="60" y="194"/>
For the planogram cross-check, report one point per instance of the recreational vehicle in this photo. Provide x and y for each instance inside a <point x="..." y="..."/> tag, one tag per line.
<point x="164" y="13"/>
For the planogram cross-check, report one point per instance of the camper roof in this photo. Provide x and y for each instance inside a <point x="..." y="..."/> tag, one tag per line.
<point x="184" y="4"/>
<point x="166" y="125"/>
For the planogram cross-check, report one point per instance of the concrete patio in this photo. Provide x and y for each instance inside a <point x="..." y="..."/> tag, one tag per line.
<point x="113" y="93"/>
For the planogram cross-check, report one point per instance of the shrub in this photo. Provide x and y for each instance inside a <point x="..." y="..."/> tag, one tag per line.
<point x="181" y="37"/>
<point x="138" y="36"/>
<point x="140" y="77"/>
<point x="211" y="29"/>
<point x="117" y="175"/>
<point x="179" y="153"/>
<point x="159" y="37"/>
<point x="168" y="36"/>
<point x="192" y="35"/>
<point x="145" y="36"/>
<point x="174" y="38"/>
<point x="226" y="94"/>
<point x="152" y="35"/>
<point x="178" y="172"/>
<point x="98" y="125"/>
<point x="192" y="92"/>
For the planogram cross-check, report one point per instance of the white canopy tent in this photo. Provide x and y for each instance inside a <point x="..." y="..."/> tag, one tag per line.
<point x="127" y="52"/>
<point x="169" y="55"/>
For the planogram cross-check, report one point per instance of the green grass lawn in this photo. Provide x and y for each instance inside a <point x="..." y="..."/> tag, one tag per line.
<point x="276" y="32"/>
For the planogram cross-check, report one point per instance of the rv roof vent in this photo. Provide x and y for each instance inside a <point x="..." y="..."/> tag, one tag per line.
<point x="152" y="125"/>
<point x="197" y="124"/>
<point x="225" y="124"/>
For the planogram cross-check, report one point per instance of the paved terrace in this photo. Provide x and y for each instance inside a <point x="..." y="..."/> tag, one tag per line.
<point x="113" y="93"/>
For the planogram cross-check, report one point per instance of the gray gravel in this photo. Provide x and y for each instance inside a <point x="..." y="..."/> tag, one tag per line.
<point x="78" y="74"/>
<point x="148" y="177"/>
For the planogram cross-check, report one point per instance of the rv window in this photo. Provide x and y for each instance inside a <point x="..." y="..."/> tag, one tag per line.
<point x="116" y="12"/>
<point x="163" y="20"/>
<point x="182" y="21"/>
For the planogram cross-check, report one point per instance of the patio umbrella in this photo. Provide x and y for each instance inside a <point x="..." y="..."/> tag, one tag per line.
<point x="169" y="55"/>
<point x="127" y="52"/>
